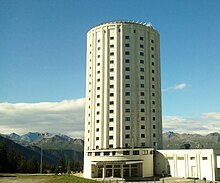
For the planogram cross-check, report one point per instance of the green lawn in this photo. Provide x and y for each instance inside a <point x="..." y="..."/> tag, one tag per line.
<point x="22" y="178"/>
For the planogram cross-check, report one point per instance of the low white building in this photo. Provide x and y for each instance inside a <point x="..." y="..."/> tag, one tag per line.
<point x="122" y="163"/>
<point x="197" y="163"/>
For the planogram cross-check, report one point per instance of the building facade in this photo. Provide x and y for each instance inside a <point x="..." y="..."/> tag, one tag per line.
<point x="123" y="98"/>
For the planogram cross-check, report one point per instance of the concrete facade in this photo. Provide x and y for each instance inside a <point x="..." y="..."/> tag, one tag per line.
<point x="123" y="93"/>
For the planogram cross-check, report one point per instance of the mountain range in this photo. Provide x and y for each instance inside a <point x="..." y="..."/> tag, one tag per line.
<point x="56" y="146"/>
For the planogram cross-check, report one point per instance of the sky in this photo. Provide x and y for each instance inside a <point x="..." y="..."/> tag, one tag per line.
<point x="43" y="61"/>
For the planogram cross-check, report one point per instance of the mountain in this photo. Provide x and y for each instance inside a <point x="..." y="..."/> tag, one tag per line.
<point x="173" y="140"/>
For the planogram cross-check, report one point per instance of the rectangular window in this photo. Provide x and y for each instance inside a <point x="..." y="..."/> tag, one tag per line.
<point x="127" y="118"/>
<point x="111" y="38"/>
<point x="152" y="63"/>
<point x="111" y="53"/>
<point x="152" y="71"/>
<point x="110" y="137"/>
<point x="154" y="126"/>
<point x="142" y="77"/>
<point x="111" y="70"/>
<point x="127" y="37"/>
<point x="111" y="46"/>
<point x="111" y="128"/>
<point x="153" y="94"/>
<point x="127" y="69"/>
<point x="111" y="111"/>
<point x="127" y="77"/>
<point x="142" y="110"/>
<point x="141" y="46"/>
<point x="98" y="88"/>
<point x="99" y="48"/>
<point x="142" y="69"/>
<point x="111" y="62"/>
<point x="142" y="101"/>
<point x="152" y="56"/>
<point x="127" y="127"/>
<point x="152" y="78"/>
<point x="153" y="102"/>
<point x="111" y="78"/>
<point x="97" y="121"/>
<point x="97" y="112"/>
<point x="99" y="40"/>
<point x="127" y="101"/>
<point x="141" y="61"/>
<point x="152" y="48"/>
<point x="111" y="102"/>
<point x="111" y="119"/>
<point x="97" y="129"/>
<point x="97" y="138"/>
<point x="106" y="153"/>
<point x="98" y="56"/>
<point x="127" y="93"/>
<point x="153" y="86"/>
<point x="152" y="41"/>
<point x="127" y="53"/>
<point x="98" y="104"/>
<point x="141" y="53"/>
<point x="153" y="110"/>
<point x="98" y="80"/>
<point x="111" y="86"/>
<point x="154" y="118"/>
<point x="141" y="38"/>
<point x="142" y="118"/>
<point x="142" y="135"/>
<point x="97" y="153"/>
<point x="127" y="85"/>
<point x="142" y="85"/>
<point x="126" y="152"/>
<point x="127" y="136"/>
<point x="111" y="94"/>
<point x="204" y="158"/>
<point x="127" y="110"/>
<point x="143" y="144"/>
<point x="127" y="45"/>
<point x="127" y="61"/>
<point x="142" y="93"/>
<point x="135" y="152"/>
<point x="98" y="96"/>
<point x="154" y="135"/>
<point x="97" y="147"/>
<point x="142" y="127"/>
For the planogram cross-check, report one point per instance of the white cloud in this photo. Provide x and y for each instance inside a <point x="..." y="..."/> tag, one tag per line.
<point x="66" y="117"/>
<point x="179" y="86"/>
<point x="203" y="124"/>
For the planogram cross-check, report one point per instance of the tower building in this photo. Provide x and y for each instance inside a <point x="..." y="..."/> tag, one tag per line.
<point x="123" y="118"/>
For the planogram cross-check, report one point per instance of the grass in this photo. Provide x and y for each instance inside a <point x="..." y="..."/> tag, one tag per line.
<point x="21" y="178"/>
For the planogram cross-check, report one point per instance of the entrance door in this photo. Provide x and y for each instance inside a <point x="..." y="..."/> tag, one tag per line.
<point x="194" y="171"/>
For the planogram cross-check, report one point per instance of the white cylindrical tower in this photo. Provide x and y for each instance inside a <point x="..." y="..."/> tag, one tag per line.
<point x="123" y="87"/>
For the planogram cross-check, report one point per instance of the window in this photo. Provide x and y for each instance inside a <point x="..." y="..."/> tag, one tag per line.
<point x="127" y="136"/>
<point x="152" y="56"/>
<point x="153" y="110"/>
<point x="111" y="78"/>
<point x="127" y="93"/>
<point x="111" y="102"/>
<point x="97" y="129"/>
<point x="143" y="144"/>
<point x="127" y="69"/>
<point x="127" y="110"/>
<point x="127" y="77"/>
<point x="141" y="53"/>
<point x="111" y="111"/>
<point x="98" y="88"/>
<point x="111" y="119"/>
<point x="135" y="152"/>
<point x="127" y="37"/>
<point x="99" y="40"/>
<point x="142" y="77"/>
<point x="98" y="104"/>
<point x="152" y="63"/>
<point x="142" y="127"/>
<point x="142" y="85"/>
<point x="153" y="94"/>
<point x="142" y="101"/>
<point x="98" y="96"/>
<point x="97" y="153"/>
<point x="141" y="61"/>
<point x="204" y="158"/>
<point x="134" y="31"/>
<point x="153" y="86"/>
<point x="152" y="78"/>
<point x="110" y="137"/>
<point x="127" y="118"/>
<point x="154" y="135"/>
<point x="141" y="46"/>
<point x="142" y="38"/>
<point x="98" y="80"/>
<point x="142" y="110"/>
<point x="111" y="62"/>
<point x="98" y="64"/>
<point x="111" y="128"/>
<point x="97" y="112"/>
<point x="192" y="158"/>
<point x="111" y="146"/>
<point x="97" y="138"/>
<point x="126" y="152"/>
<point x="152" y="71"/>
<point x="142" y="118"/>
<point x="153" y="102"/>
<point x="97" y="121"/>
<point x="127" y="127"/>
<point x="98" y="56"/>
<point x="111" y="38"/>
<point x="111" y="86"/>
<point x="152" y="41"/>
<point x="127" y="61"/>
<point x="111" y="94"/>
<point x="99" y="48"/>
<point x="127" y="45"/>
<point x="106" y="153"/>
<point x="111" y="46"/>
<point x="142" y="135"/>
<point x="127" y="101"/>
<point x="154" y="118"/>
<point x="127" y="53"/>
<point x="111" y="53"/>
<point x="127" y="85"/>
<point x="154" y="126"/>
<point x="152" y="48"/>
<point x="111" y="70"/>
<point x="142" y="69"/>
<point x="142" y="93"/>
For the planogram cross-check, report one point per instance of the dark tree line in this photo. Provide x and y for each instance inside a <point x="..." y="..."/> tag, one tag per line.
<point x="14" y="162"/>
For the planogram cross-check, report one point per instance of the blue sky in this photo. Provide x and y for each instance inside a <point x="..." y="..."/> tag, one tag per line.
<point x="43" y="52"/>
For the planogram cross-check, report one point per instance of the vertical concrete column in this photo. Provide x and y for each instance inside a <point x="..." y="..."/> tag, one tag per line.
<point x="129" y="170"/>
<point x="113" y="173"/>
<point x="103" y="172"/>
<point x="122" y="171"/>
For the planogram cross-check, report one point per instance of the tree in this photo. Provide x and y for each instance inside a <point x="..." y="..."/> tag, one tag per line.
<point x="61" y="166"/>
